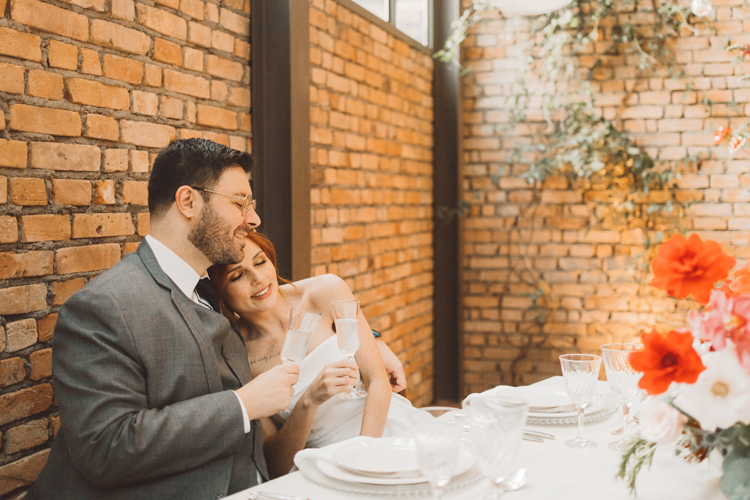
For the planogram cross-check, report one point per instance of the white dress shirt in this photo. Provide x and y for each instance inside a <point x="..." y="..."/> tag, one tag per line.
<point x="186" y="279"/>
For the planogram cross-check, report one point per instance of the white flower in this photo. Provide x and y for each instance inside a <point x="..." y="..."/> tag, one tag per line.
<point x="659" y="422"/>
<point x="721" y="395"/>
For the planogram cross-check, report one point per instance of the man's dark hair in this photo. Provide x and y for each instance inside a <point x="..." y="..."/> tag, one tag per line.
<point x="190" y="162"/>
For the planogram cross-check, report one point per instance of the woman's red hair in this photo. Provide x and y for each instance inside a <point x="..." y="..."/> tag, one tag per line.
<point x="220" y="274"/>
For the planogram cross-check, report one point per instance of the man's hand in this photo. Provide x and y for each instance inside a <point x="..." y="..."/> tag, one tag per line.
<point x="393" y="366"/>
<point x="270" y="392"/>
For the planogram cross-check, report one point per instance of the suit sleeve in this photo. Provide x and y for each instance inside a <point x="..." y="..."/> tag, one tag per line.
<point x="115" y="435"/>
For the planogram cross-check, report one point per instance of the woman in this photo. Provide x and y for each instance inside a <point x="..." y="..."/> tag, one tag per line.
<point x="252" y="298"/>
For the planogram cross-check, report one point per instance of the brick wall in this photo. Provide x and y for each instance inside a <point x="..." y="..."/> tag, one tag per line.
<point x="513" y="226"/>
<point x="90" y="90"/>
<point x="371" y="132"/>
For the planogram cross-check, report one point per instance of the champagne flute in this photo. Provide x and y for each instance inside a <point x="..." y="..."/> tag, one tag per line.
<point x="302" y="324"/>
<point x="495" y="430"/>
<point x="345" y="314"/>
<point x="438" y="448"/>
<point x="580" y="371"/>
<point x="623" y="380"/>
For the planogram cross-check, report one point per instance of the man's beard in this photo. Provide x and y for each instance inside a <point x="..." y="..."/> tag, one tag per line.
<point x="215" y="238"/>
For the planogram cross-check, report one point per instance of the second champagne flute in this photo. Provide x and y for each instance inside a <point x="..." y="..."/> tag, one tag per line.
<point x="580" y="372"/>
<point x="298" y="334"/>
<point x="345" y="314"/>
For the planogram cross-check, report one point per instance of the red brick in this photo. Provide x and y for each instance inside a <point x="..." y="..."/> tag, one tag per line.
<point x="22" y="404"/>
<point x="171" y="107"/>
<point x="234" y="22"/>
<point x="135" y="193"/>
<point x="241" y="49"/>
<point x="104" y="192"/>
<point x="167" y="52"/>
<point x="22" y="45"/>
<point x="123" y="9"/>
<point x="63" y="290"/>
<point x="184" y="83"/>
<point x="25" y="436"/>
<point x="62" y="55"/>
<point x="12" y="372"/>
<point x="131" y="246"/>
<point x="93" y="93"/>
<point x="212" y="116"/>
<point x="2" y="120"/>
<point x="152" y="76"/>
<point x="211" y="12"/>
<point x="144" y="223"/>
<point x="23" y="472"/>
<point x="8" y="229"/>
<point x="102" y="127"/>
<point x="46" y="327"/>
<point x="24" y="265"/>
<point x="87" y="258"/>
<point x="199" y="34"/>
<point x="224" y="68"/>
<point x="145" y="103"/>
<point x="161" y="21"/>
<point x="146" y="134"/>
<point x="139" y="161"/>
<point x="22" y="300"/>
<point x="193" y="59"/>
<point x="20" y="334"/>
<point x="190" y="112"/>
<point x="172" y="4"/>
<point x="13" y="154"/>
<point x="44" y="120"/>
<point x="45" y="84"/>
<point x="219" y="91"/>
<point x="46" y="227"/>
<point x="71" y="192"/>
<point x="41" y="364"/>
<point x="102" y="225"/>
<point x="222" y="41"/>
<point x="73" y="157"/>
<point x="119" y="37"/>
<point x="11" y="78"/>
<point x="116" y="160"/>
<point x="46" y="17"/>
<point x="193" y="8"/>
<point x="28" y="191"/>
<point x="122" y="68"/>
<point x="3" y="190"/>
<point x="239" y="97"/>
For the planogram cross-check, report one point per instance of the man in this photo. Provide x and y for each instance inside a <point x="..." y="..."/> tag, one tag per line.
<point x="143" y="370"/>
<point x="154" y="388"/>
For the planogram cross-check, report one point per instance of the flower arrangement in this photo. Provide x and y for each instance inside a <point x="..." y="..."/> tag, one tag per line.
<point x="697" y="378"/>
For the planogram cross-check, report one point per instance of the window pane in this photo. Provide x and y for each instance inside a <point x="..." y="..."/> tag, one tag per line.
<point x="412" y="17"/>
<point x="377" y="7"/>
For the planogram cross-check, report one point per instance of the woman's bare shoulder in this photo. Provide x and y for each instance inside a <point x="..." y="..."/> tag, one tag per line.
<point x="323" y="289"/>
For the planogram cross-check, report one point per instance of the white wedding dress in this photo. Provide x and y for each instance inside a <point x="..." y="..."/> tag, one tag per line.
<point x="339" y="419"/>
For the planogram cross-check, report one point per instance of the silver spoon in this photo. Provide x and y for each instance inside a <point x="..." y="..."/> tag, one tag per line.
<point x="510" y="483"/>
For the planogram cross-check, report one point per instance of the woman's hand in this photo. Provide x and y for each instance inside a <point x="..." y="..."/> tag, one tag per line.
<point x="333" y="379"/>
<point x="393" y="367"/>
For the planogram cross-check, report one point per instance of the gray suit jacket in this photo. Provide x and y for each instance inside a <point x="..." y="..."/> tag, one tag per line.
<point x="143" y="381"/>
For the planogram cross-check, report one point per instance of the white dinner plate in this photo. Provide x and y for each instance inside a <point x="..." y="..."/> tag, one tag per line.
<point x="378" y="456"/>
<point x="465" y="461"/>
<point x="549" y="396"/>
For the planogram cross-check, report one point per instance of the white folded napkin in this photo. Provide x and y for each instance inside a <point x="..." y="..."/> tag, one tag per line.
<point x="325" y="453"/>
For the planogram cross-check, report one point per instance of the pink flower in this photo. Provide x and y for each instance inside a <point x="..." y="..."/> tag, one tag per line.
<point x="725" y="318"/>
<point x="659" y="422"/>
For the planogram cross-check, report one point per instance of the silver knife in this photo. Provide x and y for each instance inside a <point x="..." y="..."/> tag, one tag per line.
<point x="267" y="495"/>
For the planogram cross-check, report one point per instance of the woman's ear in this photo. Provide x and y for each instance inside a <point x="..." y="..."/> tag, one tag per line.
<point x="188" y="202"/>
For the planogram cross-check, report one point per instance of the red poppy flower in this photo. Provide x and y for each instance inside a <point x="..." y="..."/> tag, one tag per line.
<point x="684" y="267"/>
<point x="666" y="359"/>
<point x="721" y="133"/>
<point x="736" y="143"/>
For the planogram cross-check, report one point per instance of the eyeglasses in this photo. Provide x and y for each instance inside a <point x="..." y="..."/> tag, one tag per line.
<point x="247" y="202"/>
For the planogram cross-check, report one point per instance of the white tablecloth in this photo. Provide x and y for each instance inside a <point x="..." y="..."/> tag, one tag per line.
<point x="556" y="471"/>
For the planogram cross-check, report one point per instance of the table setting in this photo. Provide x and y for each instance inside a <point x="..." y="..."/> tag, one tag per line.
<point x="562" y="437"/>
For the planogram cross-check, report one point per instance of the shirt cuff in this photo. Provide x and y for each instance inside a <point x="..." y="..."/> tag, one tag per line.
<point x="245" y="418"/>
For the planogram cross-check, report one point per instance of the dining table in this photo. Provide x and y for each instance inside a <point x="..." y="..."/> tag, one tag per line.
<point x="556" y="471"/>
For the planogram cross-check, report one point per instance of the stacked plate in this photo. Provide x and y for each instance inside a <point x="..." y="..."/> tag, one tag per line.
<point x="386" y="466"/>
<point x="552" y="406"/>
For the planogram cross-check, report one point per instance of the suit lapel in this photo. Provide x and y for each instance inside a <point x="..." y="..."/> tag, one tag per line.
<point x="184" y="306"/>
<point x="235" y="354"/>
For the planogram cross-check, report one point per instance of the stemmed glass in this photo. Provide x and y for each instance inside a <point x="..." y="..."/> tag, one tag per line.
<point x="495" y="430"/>
<point x="302" y="324"/>
<point x="438" y="448"/>
<point x="580" y="372"/>
<point x="623" y="380"/>
<point x="345" y="314"/>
